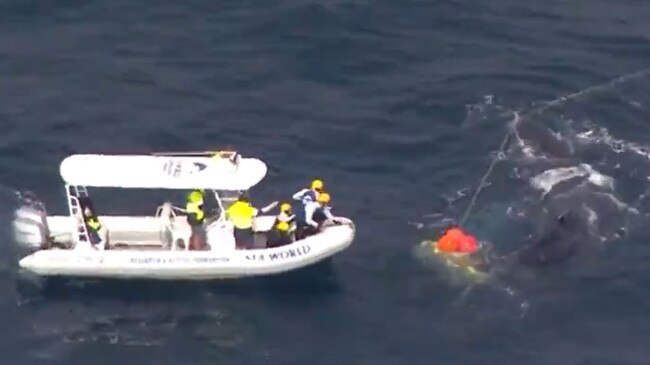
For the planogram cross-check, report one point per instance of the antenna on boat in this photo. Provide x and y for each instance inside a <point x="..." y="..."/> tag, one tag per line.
<point x="191" y="153"/>
<point x="231" y="155"/>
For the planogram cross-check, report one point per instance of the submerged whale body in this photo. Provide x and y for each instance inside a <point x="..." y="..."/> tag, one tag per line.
<point x="578" y="201"/>
<point x="542" y="140"/>
<point x="583" y="216"/>
<point x="561" y="241"/>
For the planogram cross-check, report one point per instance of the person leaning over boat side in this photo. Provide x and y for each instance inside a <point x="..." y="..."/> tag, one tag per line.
<point x="305" y="197"/>
<point x="241" y="213"/>
<point x="196" y="218"/>
<point x="314" y="215"/>
<point x="323" y="211"/>
<point x="310" y="194"/>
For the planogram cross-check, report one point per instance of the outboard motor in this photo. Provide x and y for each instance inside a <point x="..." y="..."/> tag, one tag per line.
<point x="30" y="222"/>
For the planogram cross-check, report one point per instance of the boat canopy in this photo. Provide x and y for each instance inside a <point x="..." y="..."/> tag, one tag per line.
<point x="163" y="172"/>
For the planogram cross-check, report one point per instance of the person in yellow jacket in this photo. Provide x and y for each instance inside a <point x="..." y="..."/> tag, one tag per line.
<point x="242" y="213"/>
<point x="283" y="228"/>
<point x="280" y="235"/>
<point x="196" y="218"/>
<point x="286" y="214"/>
<point x="97" y="233"/>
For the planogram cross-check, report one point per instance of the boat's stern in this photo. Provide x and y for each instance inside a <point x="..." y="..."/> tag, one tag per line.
<point x="50" y="262"/>
<point x="30" y="227"/>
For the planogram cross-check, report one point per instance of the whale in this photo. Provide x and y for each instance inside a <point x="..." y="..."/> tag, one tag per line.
<point x="571" y="207"/>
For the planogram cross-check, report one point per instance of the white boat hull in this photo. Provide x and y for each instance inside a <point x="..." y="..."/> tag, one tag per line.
<point x="221" y="263"/>
<point x="157" y="247"/>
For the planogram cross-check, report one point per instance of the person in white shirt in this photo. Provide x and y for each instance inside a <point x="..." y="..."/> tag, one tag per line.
<point x="315" y="213"/>
<point x="310" y="194"/>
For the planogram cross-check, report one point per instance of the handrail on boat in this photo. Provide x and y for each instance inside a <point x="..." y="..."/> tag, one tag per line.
<point x="171" y="209"/>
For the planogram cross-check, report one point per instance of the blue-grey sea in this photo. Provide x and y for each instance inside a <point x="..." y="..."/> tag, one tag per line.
<point x="400" y="107"/>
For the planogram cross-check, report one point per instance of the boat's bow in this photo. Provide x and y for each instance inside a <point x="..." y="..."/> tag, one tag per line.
<point x="27" y="262"/>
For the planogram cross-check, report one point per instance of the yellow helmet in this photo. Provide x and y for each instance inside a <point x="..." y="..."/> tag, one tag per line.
<point x="317" y="184"/>
<point x="285" y="207"/>
<point x="283" y="226"/>
<point x="323" y="198"/>
<point x="195" y="197"/>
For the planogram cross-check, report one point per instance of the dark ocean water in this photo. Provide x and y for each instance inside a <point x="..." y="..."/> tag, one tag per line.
<point x="398" y="106"/>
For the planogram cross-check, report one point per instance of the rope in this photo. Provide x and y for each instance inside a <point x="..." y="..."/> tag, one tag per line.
<point x="494" y="161"/>
<point x="545" y="106"/>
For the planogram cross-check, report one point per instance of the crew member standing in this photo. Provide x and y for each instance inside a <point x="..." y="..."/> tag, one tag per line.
<point x="196" y="218"/>
<point x="97" y="234"/>
<point x="242" y="213"/>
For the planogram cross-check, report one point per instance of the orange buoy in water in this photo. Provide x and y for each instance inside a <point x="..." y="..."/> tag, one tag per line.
<point x="447" y="244"/>
<point x="455" y="233"/>
<point x="467" y="244"/>
<point x="455" y="240"/>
